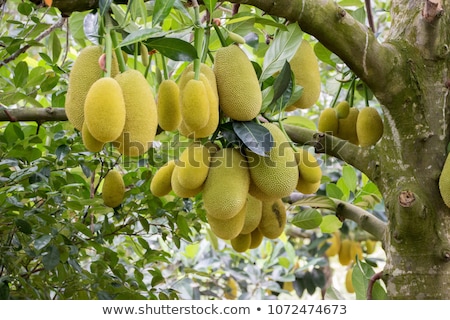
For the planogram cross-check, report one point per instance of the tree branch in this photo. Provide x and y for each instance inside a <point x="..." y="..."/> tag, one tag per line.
<point x="33" y="114"/>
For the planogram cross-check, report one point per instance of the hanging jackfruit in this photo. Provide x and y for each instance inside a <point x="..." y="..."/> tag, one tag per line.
<point x="89" y="141"/>
<point x="347" y="126"/>
<point x="168" y="106"/>
<point x="335" y="244"/>
<point x="194" y="105"/>
<point x="257" y="238"/>
<point x="240" y="95"/>
<point x="141" y="121"/>
<point x="161" y="182"/>
<point x="307" y="187"/>
<point x="242" y="242"/>
<point x="345" y="255"/>
<point x="369" y="127"/>
<point x="342" y="109"/>
<point x="252" y="215"/>
<point x="309" y="168"/>
<point x="227" y="229"/>
<point x="180" y="190"/>
<point x="113" y="190"/>
<point x="273" y="219"/>
<point x="328" y="121"/>
<point x="348" y="281"/>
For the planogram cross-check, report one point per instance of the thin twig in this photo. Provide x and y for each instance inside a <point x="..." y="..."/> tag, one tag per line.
<point x="373" y="279"/>
<point x="370" y="15"/>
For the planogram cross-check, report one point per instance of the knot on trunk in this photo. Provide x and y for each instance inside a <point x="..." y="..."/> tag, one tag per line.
<point x="406" y="199"/>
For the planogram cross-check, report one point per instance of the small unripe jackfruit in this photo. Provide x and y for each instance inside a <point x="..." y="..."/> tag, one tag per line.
<point x="348" y="281"/>
<point x="227" y="229"/>
<point x="328" y="121"/>
<point x="113" y="190"/>
<point x="193" y="165"/>
<point x="161" y="182"/>
<point x="257" y="238"/>
<point x="369" y="127"/>
<point x="356" y="251"/>
<point x="347" y="127"/>
<point x="242" y="242"/>
<point x="104" y="110"/>
<point x="141" y="121"/>
<point x="305" y="67"/>
<point x="206" y="70"/>
<point x="168" y="106"/>
<point x="335" y="244"/>
<point x="273" y="219"/>
<point x="194" y="105"/>
<point x="252" y="215"/>
<point x="182" y="191"/>
<point x="342" y="109"/>
<point x="308" y="166"/>
<point x="240" y="95"/>
<point x="444" y="182"/>
<point x="307" y="187"/>
<point x="226" y="187"/>
<point x="345" y="252"/>
<point x="89" y="141"/>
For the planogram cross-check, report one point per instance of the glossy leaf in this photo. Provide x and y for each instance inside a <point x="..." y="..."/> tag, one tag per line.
<point x="307" y="219"/>
<point x="330" y="224"/>
<point x="21" y="74"/>
<point x="254" y="136"/>
<point x="319" y="202"/>
<point x="161" y="10"/>
<point x="141" y="35"/>
<point x="174" y="49"/>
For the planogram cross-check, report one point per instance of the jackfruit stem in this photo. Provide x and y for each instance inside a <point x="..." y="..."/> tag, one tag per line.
<point x="198" y="33"/>
<point x="119" y="56"/>
<point x="336" y="96"/>
<point x="108" y="49"/>
<point x="291" y="143"/>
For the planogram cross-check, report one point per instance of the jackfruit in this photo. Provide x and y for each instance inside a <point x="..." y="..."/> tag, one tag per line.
<point x="206" y="70"/>
<point x="211" y="93"/>
<point x="335" y="244"/>
<point x="257" y="238"/>
<point x="444" y="182"/>
<point x="308" y="166"/>
<point x="104" y="110"/>
<point x="342" y="109"/>
<point x="227" y="229"/>
<point x="305" y="67"/>
<point x="255" y="192"/>
<point x="230" y="291"/>
<point x="194" y="104"/>
<point x="370" y="246"/>
<point x="89" y="141"/>
<point x="193" y="165"/>
<point x="226" y="187"/>
<point x="345" y="252"/>
<point x="161" y="182"/>
<point x="240" y="95"/>
<point x="369" y="127"/>
<point x="277" y="174"/>
<point x="113" y="190"/>
<point x="306" y="187"/>
<point x="253" y="215"/>
<point x="168" y="106"/>
<point x="242" y="242"/>
<point x="141" y="121"/>
<point x="328" y="121"/>
<point x="85" y="71"/>
<point x="348" y="281"/>
<point x="181" y="191"/>
<point x="347" y="127"/>
<point x="144" y="54"/>
<point x="273" y="219"/>
<point x="356" y="251"/>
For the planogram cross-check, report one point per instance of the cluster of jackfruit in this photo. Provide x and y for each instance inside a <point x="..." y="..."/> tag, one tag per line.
<point x="361" y="127"/>
<point x="119" y="109"/>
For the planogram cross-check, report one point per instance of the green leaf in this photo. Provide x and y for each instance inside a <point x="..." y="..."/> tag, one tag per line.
<point x="51" y="258"/>
<point x="55" y="46"/>
<point x="141" y="35"/>
<point x="23" y="226"/>
<point x="333" y="191"/>
<point x="350" y="178"/>
<point x="307" y="219"/>
<point x="321" y="202"/>
<point x="300" y="121"/>
<point x="138" y="9"/>
<point x="324" y="54"/>
<point x="255" y="137"/>
<point x="282" y="49"/>
<point x="61" y="152"/>
<point x="174" y="49"/>
<point x="42" y="241"/>
<point x="104" y="6"/>
<point x="25" y="8"/>
<point x="161" y="10"/>
<point x="21" y="74"/>
<point x="362" y="273"/>
<point x="36" y="76"/>
<point x="282" y="82"/>
<point x="330" y="224"/>
<point x="210" y="5"/>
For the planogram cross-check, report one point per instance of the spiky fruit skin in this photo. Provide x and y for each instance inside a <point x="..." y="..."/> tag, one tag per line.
<point x="168" y="106"/>
<point x="369" y="127"/>
<point x="273" y="219"/>
<point x="194" y="105"/>
<point x="226" y="187"/>
<point x="348" y="281"/>
<point x="181" y="191"/>
<point x="444" y="182"/>
<point x="89" y="141"/>
<point x="345" y="252"/>
<point x="161" y="182"/>
<point x="328" y="121"/>
<point x="257" y="238"/>
<point x="252" y="215"/>
<point x="308" y="166"/>
<point x="113" y="190"/>
<point x="229" y="228"/>
<point x="342" y="109"/>
<point x="141" y="121"/>
<point x="347" y="127"/>
<point x="85" y="71"/>
<point x="255" y="192"/>
<point x="240" y="95"/>
<point x="193" y="165"/>
<point x="277" y="174"/>
<point x="305" y="67"/>
<point x="206" y="70"/>
<point x="307" y="187"/>
<point x="242" y="242"/>
<point x="104" y="110"/>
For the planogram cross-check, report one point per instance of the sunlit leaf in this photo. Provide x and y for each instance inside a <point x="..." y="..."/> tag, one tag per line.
<point x="321" y="202"/>
<point x="307" y="219"/>
<point x="255" y="137"/>
<point x="330" y="224"/>
<point x="161" y="10"/>
<point x="174" y="49"/>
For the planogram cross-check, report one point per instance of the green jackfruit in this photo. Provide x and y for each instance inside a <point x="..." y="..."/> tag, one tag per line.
<point x="85" y="71"/>
<point x="141" y="121"/>
<point x="226" y="187"/>
<point x="308" y="166"/>
<point x="342" y="109"/>
<point x="104" y="110"/>
<point x="194" y="104"/>
<point x="168" y="106"/>
<point x="240" y="95"/>
<point x="345" y="257"/>
<point x="113" y="190"/>
<point x="257" y="238"/>
<point x="328" y="121"/>
<point x="444" y="182"/>
<point x="227" y="229"/>
<point x="273" y="219"/>
<point x="369" y="127"/>
<point x="89" y="141"/>
<point x="307" y="187"/>
<point x="242" y="242"/>
<point x="252" y="215"/>
<point x="347" y="127"/>
<point x="277" y="174"/>
<point x="161" y="181"/>
<point x="305" y="67"/>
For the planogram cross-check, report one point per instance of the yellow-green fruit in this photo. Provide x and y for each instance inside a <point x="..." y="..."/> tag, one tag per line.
<point x="161" y="181"/>
<point x="347" y="127"/>
<point x="85" y="71"/>
<point x="253" y="215"/>
<point x="342" y="109"/>
<point x="255" y="192"/>
<point x="242" y="242"/>
<point x="273" y="219"/>
<point x="369" y="127"/>
<point x="308" y="166"/>
<point x="193" y="165"/>
<point x="181" y="191"/>
<point x="348" y="281"/>
<point x="240" y="95"/>
<point x="277" y="174"/>
<point x="229" y="228"/>
<point x="370" y="246"/>
<point x="335" y="244"/>
<point x="206" y="70"/>
<point x="226" y="187"/>
<point x="230" y="291"/>
<point x="104" y="110"/>
<point x="89" y="141"/>
<point x="356" y="251"/>
<point x="144" y="54"/>
<point x="141" y="115"/>
<point x="236" y="37"/>
<point x="328" y="121"/>
<point x="257" y="238"/>
<point x="444" y="182"/>
<point x="306" y="187"/>
<point x="305" y="67"/>
<point x="211" y="93"/>
<point x="168" y="106"/>
<point x="194" y="104"/>
<point x="113" y="190"/>
<point x="345" y="252"/>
